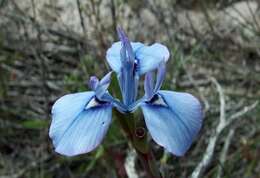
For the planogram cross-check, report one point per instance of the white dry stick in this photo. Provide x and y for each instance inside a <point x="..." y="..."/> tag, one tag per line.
<point x="223" y="123"/>
<point x="240" y="113"/>
<point x="222" y="117"/>
<point x="224" y="152"/>
<point x="130" y="164"/>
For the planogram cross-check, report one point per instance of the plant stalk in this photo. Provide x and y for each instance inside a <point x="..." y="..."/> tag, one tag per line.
<point x="140" y="144"/>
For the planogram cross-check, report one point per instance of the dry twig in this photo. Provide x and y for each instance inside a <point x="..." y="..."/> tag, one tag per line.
<point x="223" y="123"/>
<point x="224" y="152"/>
<point x="130" y="164"/>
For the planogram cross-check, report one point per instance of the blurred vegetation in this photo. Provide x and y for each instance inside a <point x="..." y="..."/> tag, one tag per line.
<point x="50" y="48"/>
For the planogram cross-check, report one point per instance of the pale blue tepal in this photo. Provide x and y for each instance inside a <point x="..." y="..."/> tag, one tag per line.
<point x="80" y="121"/>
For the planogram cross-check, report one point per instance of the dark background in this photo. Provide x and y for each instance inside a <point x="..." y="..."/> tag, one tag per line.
<point x="50" y="48"/>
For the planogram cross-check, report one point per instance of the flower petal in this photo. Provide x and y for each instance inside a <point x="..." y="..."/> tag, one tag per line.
<point x="93" y="83"/>
<point x="65" y="110"/>
<point x="86" y="132"/>
<point x="151" y="56"/>
<point x="174" y="127"/>
<point x="161" y="72"/>
<point x="126" y="43"/>
<point x="103" y="85"/>
<point x="113" y="54"/>
<point x="149" y="85"/>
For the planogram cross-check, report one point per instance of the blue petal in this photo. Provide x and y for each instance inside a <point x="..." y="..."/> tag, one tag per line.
<point x="103" y="85"/>
<point x="149" y="85"/>
<point x="151" y="56"/>
<point x="174" y="127"/>
<point x="161" y="72"/>
<point x="124" y="39"/>
<point x="64" y="112"/>
<point x="115" y="102"/>
<point x="86" y="132"/>
<point x="93" y="82"/>
<point x="128" y="84"/>
<point x="113" y="54"/>
<point x="128" y="81"/>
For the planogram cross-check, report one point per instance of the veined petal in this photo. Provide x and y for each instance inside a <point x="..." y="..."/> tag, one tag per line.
<point x="113" y="54"/>
<point x="174" y="126"/>
<point x="161" y="72"/>
<point x="65" y="110"/>
<point x="151" y="56"/>
<point x="149" y="85"/>
<point x="124" y="39"/>
<point x="86" y="132"/>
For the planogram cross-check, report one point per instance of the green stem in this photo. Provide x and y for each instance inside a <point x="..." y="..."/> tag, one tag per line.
<point x="140" y="144"/>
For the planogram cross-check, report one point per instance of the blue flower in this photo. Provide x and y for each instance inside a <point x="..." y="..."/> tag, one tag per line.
<point x="132" y="59"/>
<point x="172" y="118"/>
<point x="80" y="121"/>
